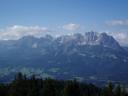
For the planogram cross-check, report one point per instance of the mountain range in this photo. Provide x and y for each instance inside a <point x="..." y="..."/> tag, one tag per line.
<point x="93" y="57"/>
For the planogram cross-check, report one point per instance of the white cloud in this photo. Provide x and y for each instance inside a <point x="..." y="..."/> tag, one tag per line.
<point x="117" y="22"/>
<point x="18" y="31"/>
<point x="71" y="27"/>
<point x="120" y="26"/>
<point x="121" y="37"/>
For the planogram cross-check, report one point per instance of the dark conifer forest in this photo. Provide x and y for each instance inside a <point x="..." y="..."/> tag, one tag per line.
<point x="32" y="86"/>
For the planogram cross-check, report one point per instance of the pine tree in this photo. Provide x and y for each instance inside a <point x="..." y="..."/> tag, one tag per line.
<point x="118" y="90"/>
<point x="49" y="88"/>
<point x="110" y="89"/>
<point x="71" y="89"/>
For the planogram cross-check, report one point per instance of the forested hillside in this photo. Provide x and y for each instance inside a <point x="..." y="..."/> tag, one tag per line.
<point x="32" y="86"/>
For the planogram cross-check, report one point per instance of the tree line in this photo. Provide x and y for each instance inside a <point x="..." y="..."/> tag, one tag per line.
<point x="32" y="86"/>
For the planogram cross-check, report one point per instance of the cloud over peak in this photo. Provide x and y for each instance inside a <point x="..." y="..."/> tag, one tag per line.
<point x="71" y="27"/>
<point x="18" y="31"/>
<point x="121" y="37"/>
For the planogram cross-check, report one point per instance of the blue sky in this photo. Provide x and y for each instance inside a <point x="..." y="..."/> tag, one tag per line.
<point x="65" y="15"/>
<point x="57" y="12"/>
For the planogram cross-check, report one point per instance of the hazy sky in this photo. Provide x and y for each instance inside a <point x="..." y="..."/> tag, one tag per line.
<point x="19" y="17"/>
